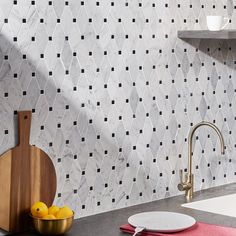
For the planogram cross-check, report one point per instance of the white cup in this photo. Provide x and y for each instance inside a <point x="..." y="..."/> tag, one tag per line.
<point x="216" y="23"/>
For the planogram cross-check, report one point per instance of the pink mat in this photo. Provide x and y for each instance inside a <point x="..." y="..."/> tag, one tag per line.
<point x="199" y="229"/>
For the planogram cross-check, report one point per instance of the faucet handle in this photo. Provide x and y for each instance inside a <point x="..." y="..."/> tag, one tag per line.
<point x="181" y="185"/>
<point x="184" y="184"/>
<point x="181" y="176"/>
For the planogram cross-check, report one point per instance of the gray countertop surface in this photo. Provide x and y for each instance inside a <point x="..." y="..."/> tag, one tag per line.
<point x="108" y="223"/>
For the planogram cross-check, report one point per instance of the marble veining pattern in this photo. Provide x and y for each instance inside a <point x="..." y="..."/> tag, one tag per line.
<point x="114" y="93"/>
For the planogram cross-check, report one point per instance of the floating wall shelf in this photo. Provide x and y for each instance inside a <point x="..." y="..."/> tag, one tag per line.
<point x="206" y="34"/>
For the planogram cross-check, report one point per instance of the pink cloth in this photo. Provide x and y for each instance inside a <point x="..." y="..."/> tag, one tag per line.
<point x="199" y="229"/>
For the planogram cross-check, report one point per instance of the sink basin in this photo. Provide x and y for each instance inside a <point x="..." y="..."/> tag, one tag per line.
<point x="224" y="205"/>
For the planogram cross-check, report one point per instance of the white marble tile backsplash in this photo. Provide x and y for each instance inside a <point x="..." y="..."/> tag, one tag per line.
<point x="114" y="93"/>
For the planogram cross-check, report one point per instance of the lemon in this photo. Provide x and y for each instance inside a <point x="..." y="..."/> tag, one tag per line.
<point x="39" y="209"/>
<point x="52" y="210"/>
<point x="64" y="212"/>
<point x="49" y="217"/>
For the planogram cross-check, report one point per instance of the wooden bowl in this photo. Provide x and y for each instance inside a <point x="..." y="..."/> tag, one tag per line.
<point x="52" y="227"/>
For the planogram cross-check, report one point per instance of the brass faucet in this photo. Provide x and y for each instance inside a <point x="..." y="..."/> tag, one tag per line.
<point x="187" y="184"/>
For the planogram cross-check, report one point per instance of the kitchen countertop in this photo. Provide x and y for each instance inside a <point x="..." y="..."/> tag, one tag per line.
<point x="108" y="223"/>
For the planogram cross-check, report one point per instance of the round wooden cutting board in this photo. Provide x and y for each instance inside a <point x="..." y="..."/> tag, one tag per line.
<point x="27" y="175"/>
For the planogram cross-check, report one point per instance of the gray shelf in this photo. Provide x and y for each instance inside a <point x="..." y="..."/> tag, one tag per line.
<point x="206" y="34"/>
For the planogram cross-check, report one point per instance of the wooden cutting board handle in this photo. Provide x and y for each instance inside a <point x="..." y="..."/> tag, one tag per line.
<point x="24" y="124"/>
<point x="27" y="175"/>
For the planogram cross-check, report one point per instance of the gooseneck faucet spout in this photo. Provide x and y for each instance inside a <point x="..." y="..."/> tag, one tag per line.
<point x="187" y="184"/>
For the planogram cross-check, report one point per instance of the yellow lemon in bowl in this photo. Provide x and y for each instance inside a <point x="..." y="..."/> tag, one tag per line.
<point x="52" y="210"/>
<point x="49" y="217"/>
<point x="39" y="209"/>
<point x="64" y="212"/>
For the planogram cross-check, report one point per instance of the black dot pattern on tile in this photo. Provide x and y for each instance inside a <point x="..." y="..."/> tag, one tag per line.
<point x="114" y="93"/>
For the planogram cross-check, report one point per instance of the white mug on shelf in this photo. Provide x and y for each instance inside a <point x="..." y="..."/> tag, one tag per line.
<point x="216" y="23"/>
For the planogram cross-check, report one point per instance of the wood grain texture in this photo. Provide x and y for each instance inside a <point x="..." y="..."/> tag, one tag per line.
<point x="27" y="175"/>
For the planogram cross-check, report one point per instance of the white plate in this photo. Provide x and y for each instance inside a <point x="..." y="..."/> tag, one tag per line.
<point x="162" y="221"/>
